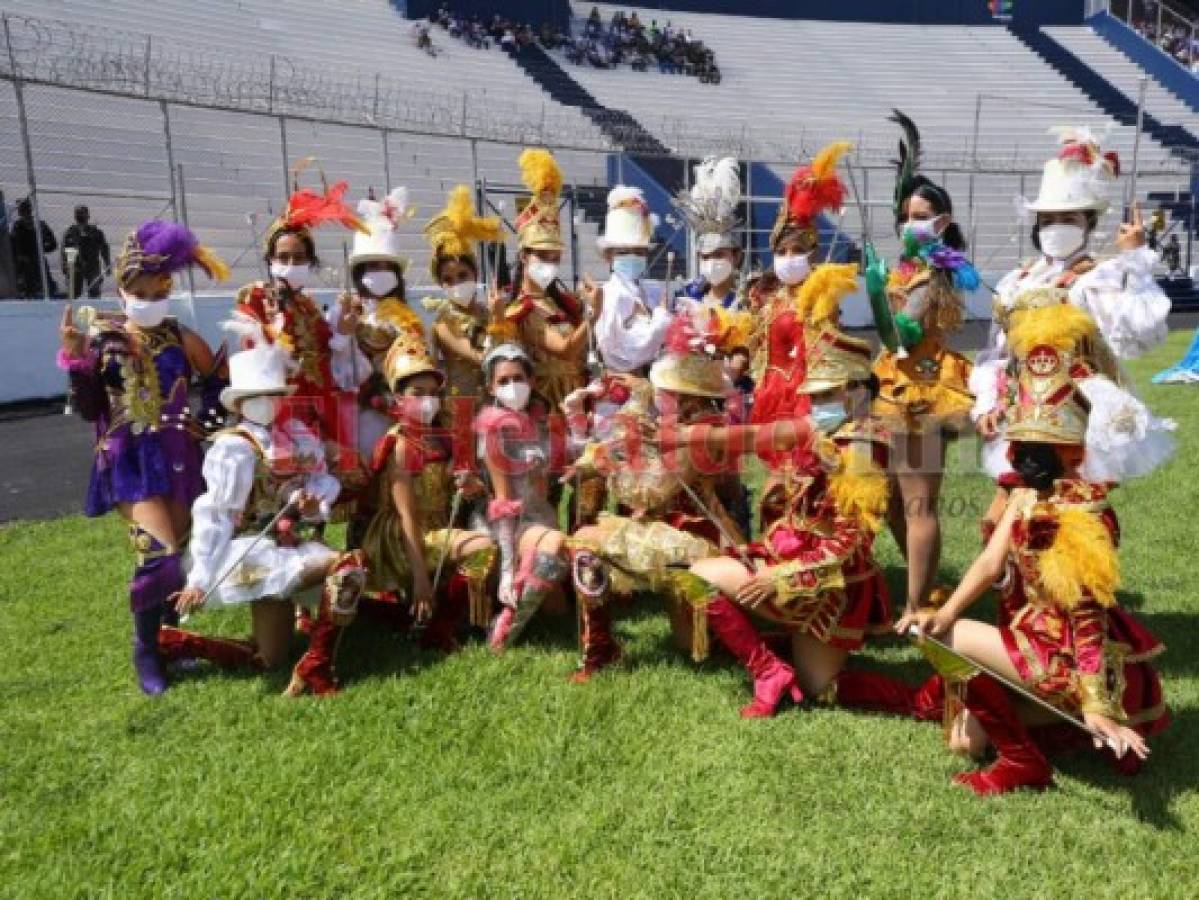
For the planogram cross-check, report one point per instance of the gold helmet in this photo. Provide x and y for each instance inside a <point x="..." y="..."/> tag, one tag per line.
<point x="812" y="189"/>
<point x="689" y="363"/>
<point x="537" y="224"/>
<point x="835" y="360"/>
<point x="1046" y="343"/>
<point x="408" y="356"/>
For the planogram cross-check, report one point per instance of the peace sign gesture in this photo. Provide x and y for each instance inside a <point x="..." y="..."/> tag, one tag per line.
<point x="71" y="338"/>
<point x="1132" y="233"/>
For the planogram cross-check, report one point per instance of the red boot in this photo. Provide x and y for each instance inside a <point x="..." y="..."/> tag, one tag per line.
<point x="773" y="678"/>
<point x="879" y="693"/>
<point x="600" y="649"/>
<point x="228" y="653"/>
<point x="442" y="631"/>
<point x="386" y="610"/>
<point x="1020" y="763"/>
<point x="314" y="672"/>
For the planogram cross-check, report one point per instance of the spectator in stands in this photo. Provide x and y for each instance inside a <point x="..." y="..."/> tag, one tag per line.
<point x="508" y="41"/>
<point x="594" y="22"/>
<point x="29" y="268"/>
<point x="91" y="249"/>
<point x="1172" y="255"/>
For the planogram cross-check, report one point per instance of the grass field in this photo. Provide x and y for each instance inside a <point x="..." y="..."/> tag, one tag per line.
<point x="478" y="776"/>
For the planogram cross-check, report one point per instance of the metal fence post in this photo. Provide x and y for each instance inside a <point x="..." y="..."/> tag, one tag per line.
<point x="386" y="160"/>
<point x="31" y="177"/>
<point x="270" y="88"/>
<point x="283" y="148"/>
<point x="170" y="148"/>
<point x="1019" y="230"/>
<point x="146" y="72"/>
<point x="191" y="275"/>
<point x="474" y="161"/>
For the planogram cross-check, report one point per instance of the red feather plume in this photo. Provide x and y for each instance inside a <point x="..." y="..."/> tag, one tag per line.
<point x="308" y="209"/>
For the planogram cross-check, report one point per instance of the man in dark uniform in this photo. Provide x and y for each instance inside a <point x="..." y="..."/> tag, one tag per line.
<point x="29" y="268"/>
<point x="92" y="248"/>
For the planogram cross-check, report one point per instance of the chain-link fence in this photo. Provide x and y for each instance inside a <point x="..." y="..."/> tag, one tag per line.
<point x="138" y="130"/>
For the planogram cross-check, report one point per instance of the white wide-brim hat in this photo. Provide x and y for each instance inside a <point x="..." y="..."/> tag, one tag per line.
<point x="1067" y="186"/>
<point x="628" y="222"/>
<point x="258" y="372"/>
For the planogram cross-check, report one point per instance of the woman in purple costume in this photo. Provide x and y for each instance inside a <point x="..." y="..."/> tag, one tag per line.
<point x="130" y="373"/>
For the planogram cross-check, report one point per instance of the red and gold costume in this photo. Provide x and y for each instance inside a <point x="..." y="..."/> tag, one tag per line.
<point x="423" y="453"/>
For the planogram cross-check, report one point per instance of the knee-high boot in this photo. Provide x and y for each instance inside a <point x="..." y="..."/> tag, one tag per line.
<point x="600" y="648"/>
<point x="537" y="580"/>
<point x="159" y="574"/>
<point x="441" y="633"/>
<point x="773" y="678"/>
<point x="880" y="693"/>
<point x="1021" y="764"/>
<point x="339" y="599"/>
<point x="227" y="653"/>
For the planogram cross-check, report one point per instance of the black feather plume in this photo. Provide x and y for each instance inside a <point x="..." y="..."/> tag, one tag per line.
<point x="908" y="164"/>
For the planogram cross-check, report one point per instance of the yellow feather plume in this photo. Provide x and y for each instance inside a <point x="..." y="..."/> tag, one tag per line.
<point x="460" y="211"/>
<point x="540" y="173"/>
<point x="213" y="265"/>
<point x="736" y="329"/>
<point x="826" y="160"/>
<point x="821" y="294"/>
<point x="1081" y="558"/>
<point x="859" y="489"/>
<point x="1061" y="326"/>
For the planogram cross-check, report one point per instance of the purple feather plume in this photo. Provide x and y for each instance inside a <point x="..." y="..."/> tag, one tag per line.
<point x="167" y="247"/>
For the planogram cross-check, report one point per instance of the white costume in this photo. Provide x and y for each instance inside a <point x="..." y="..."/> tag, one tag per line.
<point x="1124" y="440"/>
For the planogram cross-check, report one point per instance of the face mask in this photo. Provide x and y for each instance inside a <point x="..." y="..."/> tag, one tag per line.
<point x="715" y="271"/>
<point x="514" y="395"/>
<point x="380" y="284"/>
<point x="629" y="266"/>
<point x="543" y="273"/>
<point x="145" y="313"/>
<point x="297" y="277"/>
<point x="422" y="409"/>
<point x="923" y="231"/>
<point x="792" y="269"/>
<point x="1061" y="241"/>
<point x="461" y="294"/>
<point x="260" y="410"/>
<point x="829" y="416"/>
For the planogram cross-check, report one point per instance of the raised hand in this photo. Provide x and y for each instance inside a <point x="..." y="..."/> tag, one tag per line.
<point x="1132" y="233"/>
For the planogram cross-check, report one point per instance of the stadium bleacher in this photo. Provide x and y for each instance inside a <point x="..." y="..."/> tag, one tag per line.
<point x="788" y="87"/>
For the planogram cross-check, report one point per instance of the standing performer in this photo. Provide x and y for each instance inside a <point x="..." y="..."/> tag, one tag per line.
<point x="367" y="321"/>
<point x="710" y="210"/>
<point x="628" y="334"/>
<point x="812" y="571"/>
<point x="130" y="375"/>
<point x="413" y="534"/>
<point x="280" y="309"/>
<point x="778" y="365"/>
<point x="923" y="385"/>
<point x="1061" y="633"/>
<point x="460" y="331"/>
<point x="515" y="452"/>
<point x="257" y="472"/>
<point x="548" y="321"/>
<point x="1119" y="293"/>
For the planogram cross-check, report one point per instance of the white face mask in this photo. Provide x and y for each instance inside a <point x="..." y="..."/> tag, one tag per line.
<point x="297" y="277"/>
<point x="422" y="409"/>
<point x="924" y="231"/>
<point x="542" y="273"/>
<point x="461" y="294"/>
<point x="260" y="410"/>
<point x="1061" y="240"/>
<point x="715" y="271"/>
<point x="380" y="284"/>
<point x="792" y="269"/>
<point x="514" y="395"/>
<point x="145" y="313"/>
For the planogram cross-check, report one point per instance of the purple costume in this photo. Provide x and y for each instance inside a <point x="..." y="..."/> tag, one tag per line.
<point x="145" y="445"/>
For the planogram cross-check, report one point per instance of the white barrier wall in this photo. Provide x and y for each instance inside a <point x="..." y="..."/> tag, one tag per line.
<point x="29" y="335"/>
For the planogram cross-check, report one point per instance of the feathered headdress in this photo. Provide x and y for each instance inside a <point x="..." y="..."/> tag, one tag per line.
<point x="537" y="223"/>
<point x="163" y="248"/>
<point x="689" y="363"/>
<point x="1078" y="177"/>
<point x="820" y="296"/>
<point x="307" y="209"/>
<point x="907" y="164"/>
<point x="455" y="230"/>
<point x="1081" y="145"/>
<point x="710" y="207"/>
<point x="813" y="189"/>
<point x="393" y="208"/>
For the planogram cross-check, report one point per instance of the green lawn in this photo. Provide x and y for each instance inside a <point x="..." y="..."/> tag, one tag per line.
<point x="478" y="776"/>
